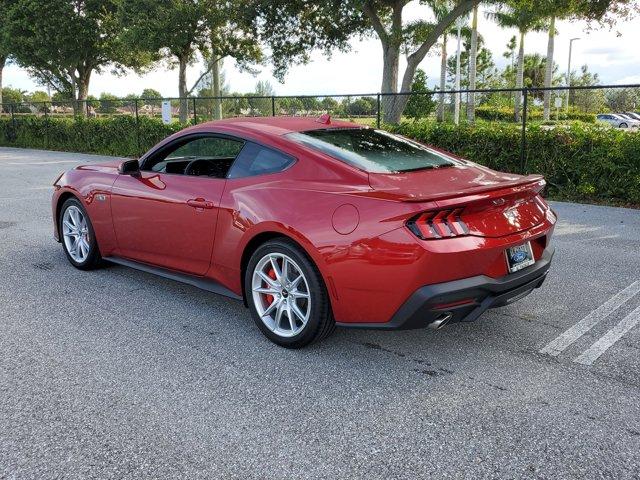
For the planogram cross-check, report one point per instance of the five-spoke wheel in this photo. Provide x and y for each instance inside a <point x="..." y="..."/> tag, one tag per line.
<point x="77" y="235"/>
<point x="281" y="294"/>
<point x="286" y="294"/>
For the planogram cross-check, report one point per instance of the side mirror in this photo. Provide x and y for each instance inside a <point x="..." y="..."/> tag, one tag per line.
<point x="129" y="167"/>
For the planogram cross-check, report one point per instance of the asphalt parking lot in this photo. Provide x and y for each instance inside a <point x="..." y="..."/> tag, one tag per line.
<point x="120" y="374"/>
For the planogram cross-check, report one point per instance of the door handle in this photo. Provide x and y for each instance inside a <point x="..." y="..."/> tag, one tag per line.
<point x="200" y="203"/>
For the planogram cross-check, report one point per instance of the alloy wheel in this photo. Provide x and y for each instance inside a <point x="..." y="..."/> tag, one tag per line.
<point x="281" y="294"/>
<point x="75" y="232"/>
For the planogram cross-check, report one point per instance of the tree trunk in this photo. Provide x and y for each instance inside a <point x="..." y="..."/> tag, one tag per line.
<point x="548" y="72"/>
<point x="3" y="60"/>
<point x="390" y="66"/>
<point x="473" y="55"/>
<point x="443" y="79"/>
<point x="82" y="84"/>
<point x="519" y="78"/>
<point x="456" y="96"/>
<point x="182" y="89"/>
<point x="215" y="83"/>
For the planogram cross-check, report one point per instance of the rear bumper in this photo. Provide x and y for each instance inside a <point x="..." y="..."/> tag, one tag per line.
<point x="465" y="300"/>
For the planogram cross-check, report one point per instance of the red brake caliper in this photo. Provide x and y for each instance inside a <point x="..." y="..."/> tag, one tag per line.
<point x="271" y="275"/>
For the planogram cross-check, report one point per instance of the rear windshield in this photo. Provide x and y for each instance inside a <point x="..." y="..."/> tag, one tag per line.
<point x="372" y="150"/>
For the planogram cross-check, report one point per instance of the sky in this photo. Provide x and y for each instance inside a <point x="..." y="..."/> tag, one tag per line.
<point x="610" y="53"/>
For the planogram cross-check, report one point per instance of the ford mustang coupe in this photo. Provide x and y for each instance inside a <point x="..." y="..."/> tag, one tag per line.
<point x="313" y="223"/>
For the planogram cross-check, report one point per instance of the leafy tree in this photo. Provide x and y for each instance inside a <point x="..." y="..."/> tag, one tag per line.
<point x="178" y="29"/>
<point x="261" y="106"/>
<point x="360" y="107"/>
<point x="526" y="17"/>
<point x="37" y="96"/>
<point x="13" y="95"/>
<point x="62" y="42"/>
<point x="152" y="98"/>
<point x="289" y="105"/>
<point x="109" y="103"/>
<point x="5" y="45"/>
<point x="310" y="104"/>
<point x="329" y="104"/>
<point x="235" y="106"/>
<point x="588" y="101"/>
<point x="212" y="108"/>
<point x="39" y="100"/>
<point x="485" y="66"/>
<point x="420" y="106"/>
<point x="601" y="11"/>
<point x="150" y="93"/>
<point x="622" y="99"/>
<point x="291" y="28"/>
<point x="92" y="104"/>
<point x="510" y="52"/>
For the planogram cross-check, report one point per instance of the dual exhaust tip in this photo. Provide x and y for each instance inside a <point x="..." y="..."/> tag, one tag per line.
<point x="441" y="321"/>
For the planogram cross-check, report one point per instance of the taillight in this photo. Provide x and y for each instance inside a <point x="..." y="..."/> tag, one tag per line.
<point x="438" y="224"/>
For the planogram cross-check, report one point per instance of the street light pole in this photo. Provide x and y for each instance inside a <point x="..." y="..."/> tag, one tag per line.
<point x="569" y="70"/>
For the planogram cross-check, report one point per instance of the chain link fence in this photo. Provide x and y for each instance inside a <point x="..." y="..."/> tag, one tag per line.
<point x="617" y="106"/>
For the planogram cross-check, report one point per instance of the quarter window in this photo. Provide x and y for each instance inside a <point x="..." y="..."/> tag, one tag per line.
<point x="258" y="160"/>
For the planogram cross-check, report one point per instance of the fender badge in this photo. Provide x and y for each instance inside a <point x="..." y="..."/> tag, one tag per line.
<point x="101" y="197"/>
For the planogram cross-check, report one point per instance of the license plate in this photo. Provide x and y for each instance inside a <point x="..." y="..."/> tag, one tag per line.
<point x="519" y="257"/>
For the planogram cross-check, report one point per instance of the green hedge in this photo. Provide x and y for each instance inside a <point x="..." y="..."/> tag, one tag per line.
<point x="580" y="162"/>
<point x="107" y="136"/>
<point x="505" y="114"/>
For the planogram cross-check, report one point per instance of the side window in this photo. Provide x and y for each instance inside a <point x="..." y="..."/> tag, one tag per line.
<point x="257" y="160"/>
<point x="203" y="156"/>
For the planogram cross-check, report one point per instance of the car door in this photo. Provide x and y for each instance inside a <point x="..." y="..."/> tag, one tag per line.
<point x="167" y="215"/>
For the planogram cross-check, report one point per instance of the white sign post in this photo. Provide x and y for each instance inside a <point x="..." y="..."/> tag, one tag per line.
<point x="166" y="112"/>
<point x="558" y="105"/>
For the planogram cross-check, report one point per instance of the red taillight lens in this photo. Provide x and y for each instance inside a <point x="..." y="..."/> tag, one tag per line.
<point x="438" y="224"/>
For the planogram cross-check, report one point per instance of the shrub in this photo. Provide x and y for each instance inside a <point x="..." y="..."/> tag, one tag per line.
<point x="580" y="162"/>
<point x="505" y="114"/>
<point x="107" y="136"/>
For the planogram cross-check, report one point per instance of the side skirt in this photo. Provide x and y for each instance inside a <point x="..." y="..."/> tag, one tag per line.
<point x="200" y="282"/>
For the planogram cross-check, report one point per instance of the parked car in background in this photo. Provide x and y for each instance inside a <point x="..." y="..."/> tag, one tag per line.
<point x="618" y="121"/>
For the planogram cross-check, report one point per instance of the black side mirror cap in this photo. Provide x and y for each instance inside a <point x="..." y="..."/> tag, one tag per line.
<point x="129" y="167"/>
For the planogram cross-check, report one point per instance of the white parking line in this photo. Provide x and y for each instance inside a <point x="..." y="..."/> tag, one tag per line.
<point x="608" y="339"/>
<point x="562" y="341"/>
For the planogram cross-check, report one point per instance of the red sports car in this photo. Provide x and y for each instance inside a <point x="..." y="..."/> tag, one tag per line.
<point x="313" y="223"/>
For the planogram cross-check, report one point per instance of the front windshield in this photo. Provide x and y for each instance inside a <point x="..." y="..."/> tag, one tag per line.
<point x="374" y="151"/>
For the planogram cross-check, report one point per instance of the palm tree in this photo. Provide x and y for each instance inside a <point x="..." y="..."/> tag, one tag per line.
<point x="443" y="78"/>
<point x="459" y="23"/>
<point x="555" y="10"/>
<point x="440" y="10"/>
<point x="525" y="18"/>
<point x="548" y="73"/>
<point x="473" y="54"/>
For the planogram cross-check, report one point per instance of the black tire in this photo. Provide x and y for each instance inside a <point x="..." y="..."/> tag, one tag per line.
<point x="623" y="125"/>
<point x="93" y="260"/>
<point x="320" y="323"/>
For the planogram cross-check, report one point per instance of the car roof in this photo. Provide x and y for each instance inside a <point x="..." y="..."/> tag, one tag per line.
<point x="277" y="125"/>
